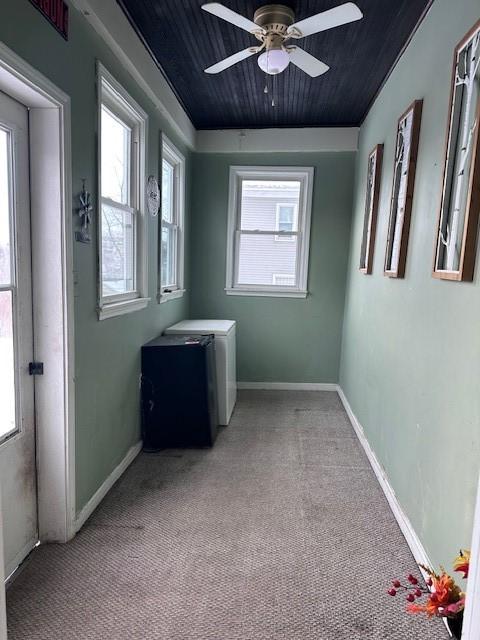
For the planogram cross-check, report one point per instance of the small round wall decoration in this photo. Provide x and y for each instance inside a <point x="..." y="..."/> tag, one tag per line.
<point x="153" y="196"/>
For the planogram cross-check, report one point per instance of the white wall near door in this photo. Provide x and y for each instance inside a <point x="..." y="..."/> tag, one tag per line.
<point x="471" y="618"/>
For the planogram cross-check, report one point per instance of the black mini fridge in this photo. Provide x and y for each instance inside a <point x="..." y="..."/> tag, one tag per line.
<point x="179" y="404"/>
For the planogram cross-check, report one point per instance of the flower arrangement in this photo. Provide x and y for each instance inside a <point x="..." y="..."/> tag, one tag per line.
<point x="444" y="598"/>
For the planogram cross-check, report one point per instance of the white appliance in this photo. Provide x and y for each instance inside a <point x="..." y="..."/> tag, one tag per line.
<point x="225" y="355"/>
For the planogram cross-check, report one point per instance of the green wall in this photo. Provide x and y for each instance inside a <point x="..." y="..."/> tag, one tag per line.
<point x="279" y="339"/>
<point x="107" y="353"/>
<point x="410" y="363"/>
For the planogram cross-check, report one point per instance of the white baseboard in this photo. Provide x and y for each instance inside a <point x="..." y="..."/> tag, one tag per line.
<point x="404" y="523"/>
<point x="289" y="386"/>
<point x="413" y="541"/>
<point x="102" y="491"/>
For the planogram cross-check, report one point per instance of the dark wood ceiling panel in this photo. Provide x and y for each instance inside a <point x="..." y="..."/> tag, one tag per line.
<point x="184" y="40"/>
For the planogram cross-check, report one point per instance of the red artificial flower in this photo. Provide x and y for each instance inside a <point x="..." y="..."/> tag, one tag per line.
<point x="447" y="600"/>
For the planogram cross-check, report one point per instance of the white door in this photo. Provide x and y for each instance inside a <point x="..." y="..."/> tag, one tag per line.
<point x="17" y="415"/>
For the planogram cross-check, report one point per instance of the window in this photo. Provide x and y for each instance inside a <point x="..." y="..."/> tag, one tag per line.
<point x="7" y="289"/>
<point x="171" y="228"/>
<point x="286" y="220"/>
<point x="122" y="263"/>
<point x="269" y="231"/>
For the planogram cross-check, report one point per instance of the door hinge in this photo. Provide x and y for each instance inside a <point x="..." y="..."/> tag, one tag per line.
<point x="35" y="368"/>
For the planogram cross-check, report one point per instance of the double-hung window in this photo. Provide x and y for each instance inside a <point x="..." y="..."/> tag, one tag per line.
<point x="172" y="223"/>
<point x="269" y="231"/>
<point x="122" y="260"/>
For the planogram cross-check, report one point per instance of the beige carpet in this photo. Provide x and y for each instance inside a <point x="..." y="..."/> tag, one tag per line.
<point x="280" y="532"/>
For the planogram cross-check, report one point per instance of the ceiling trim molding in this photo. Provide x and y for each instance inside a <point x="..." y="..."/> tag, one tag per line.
<point x="277" y="140"/>
<point x="111" y="24"/>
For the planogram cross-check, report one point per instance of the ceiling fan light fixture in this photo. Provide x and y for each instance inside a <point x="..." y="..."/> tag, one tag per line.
<point x="274" y="61"/>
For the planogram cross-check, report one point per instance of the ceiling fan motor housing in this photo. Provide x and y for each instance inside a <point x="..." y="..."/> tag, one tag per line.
<point x="274" y="18"/>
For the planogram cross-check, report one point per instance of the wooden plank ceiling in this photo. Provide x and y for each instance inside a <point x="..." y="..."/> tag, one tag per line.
<point x="184" y="40"/>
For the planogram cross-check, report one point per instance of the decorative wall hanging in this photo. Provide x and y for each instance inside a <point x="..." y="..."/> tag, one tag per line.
<point x="406" y="148"/>
<point x="84" y="212"/>
<point x="374" y="171"/>
<point x="460" y="204"/>
<point x="56" y="12"/>
<point x="153" y="196"/>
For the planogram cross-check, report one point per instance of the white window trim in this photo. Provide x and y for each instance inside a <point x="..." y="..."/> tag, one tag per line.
<point x="110" y="91"/>
<point x="177" y="159"/>
<point x="305" y="176"/>
<point x="287" y="237"/>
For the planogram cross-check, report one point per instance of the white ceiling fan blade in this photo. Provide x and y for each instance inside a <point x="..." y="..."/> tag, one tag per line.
<point x="307" y="63"/>
<point x="345" y="13"/>
<point x="224" y="13"/>
<point x="231" y="60"/>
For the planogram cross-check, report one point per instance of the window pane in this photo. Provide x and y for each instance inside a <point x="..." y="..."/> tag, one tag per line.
<point x="118" y="251"/>
<point x="285" y="217"/>
<point x="286" y="214"/>
<point x="168" y="173"/>
<point x="169" y="276"/>
<point x="260" y="200"/>
<point x="116" y="151"/>
<point x="5" y="275"/>
<point x="7" y="366"/>
<point x="261" y="257"/>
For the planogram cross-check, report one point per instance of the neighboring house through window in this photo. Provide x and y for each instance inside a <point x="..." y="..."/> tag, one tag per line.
<point x="286" y="220"/>
<point x="122" y="152"/>
<point x="172" y="222"/>
<point x="269" y="230"/>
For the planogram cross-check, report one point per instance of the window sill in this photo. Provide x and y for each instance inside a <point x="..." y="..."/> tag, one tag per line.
<point x="172" y="295"/>
<point x="112" y="309"/>
<point x="281" y="293"/>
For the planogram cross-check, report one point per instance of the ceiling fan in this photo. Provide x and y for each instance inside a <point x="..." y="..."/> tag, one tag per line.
<point x="273" y="25"/>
